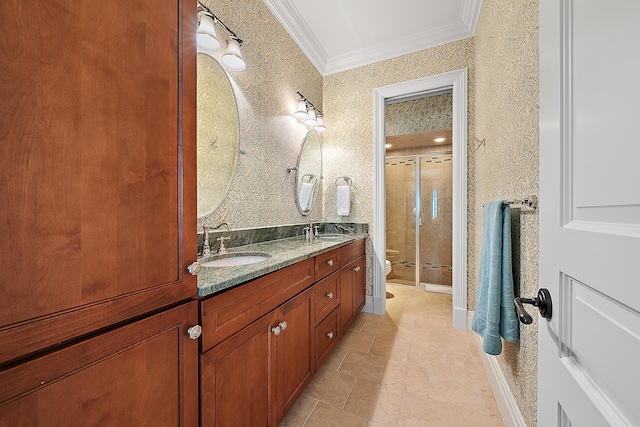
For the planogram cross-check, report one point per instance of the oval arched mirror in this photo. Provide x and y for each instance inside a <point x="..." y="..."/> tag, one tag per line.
<point x="309" y="172"/>
<point x="218" y="139"/>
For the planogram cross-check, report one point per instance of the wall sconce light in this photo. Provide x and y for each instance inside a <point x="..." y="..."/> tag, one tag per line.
<point x="310" y="114"/>
<point x="208" y="41"/>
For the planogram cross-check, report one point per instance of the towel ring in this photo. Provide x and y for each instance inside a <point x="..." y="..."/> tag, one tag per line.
<point x="346" y="179"/>
<point x="311" y="176"/>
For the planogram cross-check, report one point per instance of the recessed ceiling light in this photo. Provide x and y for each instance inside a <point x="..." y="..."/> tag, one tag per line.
<point x="388" y="145"/>
<point x="440" y="139"/>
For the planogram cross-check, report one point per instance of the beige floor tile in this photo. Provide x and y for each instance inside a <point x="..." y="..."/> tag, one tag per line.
<point x="363" y="365"/>
<point x="299" y="413"/>
<point x="420" y="411"/>
<point x="330" y="386"/>
<point x="457" y="390"/>
<point x="406" y="377"/>
<point x="470" y="418"/>
<point x="374" y="401"/>
<point x="391" y="348"/>
<point x="328" y="416"/>
<point x="444" y="341"/>
<point x="335" y="358"/>
<point x="406" y="368"/>
<point x="432" y="358"/>
<point x="468" y="366"/>
<point x="357" y="341"/>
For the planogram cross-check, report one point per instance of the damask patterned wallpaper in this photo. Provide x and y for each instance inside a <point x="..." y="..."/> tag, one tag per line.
<point x="506" y="109"/>
<point x="349" y="141"/>
<point x="419" y="115"/>
<point x="262" y="192"/>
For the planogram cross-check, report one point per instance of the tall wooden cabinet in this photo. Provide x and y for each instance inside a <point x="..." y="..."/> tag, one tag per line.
<point x="97" y="207"/>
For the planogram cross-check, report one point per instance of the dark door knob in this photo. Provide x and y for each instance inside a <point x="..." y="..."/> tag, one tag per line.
<point x="542" y="301"/>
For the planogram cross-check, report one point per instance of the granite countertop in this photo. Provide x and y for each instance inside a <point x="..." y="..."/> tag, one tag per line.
<point x="284" y="252"/>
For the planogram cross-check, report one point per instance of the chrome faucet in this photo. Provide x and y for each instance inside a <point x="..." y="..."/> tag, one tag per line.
<point x="206" y="249"/>
<point x="222" y="249"/>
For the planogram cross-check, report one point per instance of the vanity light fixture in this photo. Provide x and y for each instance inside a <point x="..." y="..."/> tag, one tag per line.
<point x="320" y="127"/>
<point x="311" y="120"/>
<point x="208" y="40"/>
<point x="308" y="112"/>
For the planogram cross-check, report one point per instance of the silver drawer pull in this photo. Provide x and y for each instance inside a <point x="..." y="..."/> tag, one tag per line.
<point x="194" y="268"/>
<point x="276" y="330"/>
<point x="195" y="332"/>
<point x="330" y="262"/>
<point x="330" y="335"/>
<point x="356" y="268"/>
<point x="283" y="325"/>
<point x="330" y="295"/>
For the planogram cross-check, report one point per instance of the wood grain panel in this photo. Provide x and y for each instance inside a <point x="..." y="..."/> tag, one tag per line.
<point x="237" y="385"/>
<point x="144" y="373"/>
<point x="97" y="161"/>
<point x="326" y="296"/>
<point x="227" y="313"/>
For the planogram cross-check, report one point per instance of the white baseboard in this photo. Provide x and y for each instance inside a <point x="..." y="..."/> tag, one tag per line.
<point x="511" y="415"/>
<point x="374" y="305"/>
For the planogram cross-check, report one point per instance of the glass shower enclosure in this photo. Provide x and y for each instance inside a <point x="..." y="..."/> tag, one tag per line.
<point x="419" y="220"/>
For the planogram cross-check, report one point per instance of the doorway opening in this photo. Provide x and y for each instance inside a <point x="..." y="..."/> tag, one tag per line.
<point x="456" y="83"/>
<point x="419" y="191"/>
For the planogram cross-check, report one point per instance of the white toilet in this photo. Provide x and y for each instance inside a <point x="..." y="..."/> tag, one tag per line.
<point x="387" y="268"/>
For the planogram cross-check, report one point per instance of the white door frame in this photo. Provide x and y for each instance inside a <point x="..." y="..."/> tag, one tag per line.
<point x="457" y="82"/>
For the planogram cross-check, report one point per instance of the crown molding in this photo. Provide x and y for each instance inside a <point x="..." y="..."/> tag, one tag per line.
<point x="300" y="32"/>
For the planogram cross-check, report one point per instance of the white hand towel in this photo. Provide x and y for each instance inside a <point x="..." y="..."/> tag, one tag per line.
<point x="344" y="200"/>
<point x="306" y="195"/>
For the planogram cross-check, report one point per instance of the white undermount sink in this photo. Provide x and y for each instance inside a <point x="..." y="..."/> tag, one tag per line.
<point x="235" y="259"/>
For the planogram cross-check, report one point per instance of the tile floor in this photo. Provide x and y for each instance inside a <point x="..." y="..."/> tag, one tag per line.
<point x="406" y="368"/>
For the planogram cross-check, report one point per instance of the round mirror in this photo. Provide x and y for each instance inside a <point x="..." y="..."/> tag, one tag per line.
<point x="218" y="135"/>
<point x="309" y="172"/>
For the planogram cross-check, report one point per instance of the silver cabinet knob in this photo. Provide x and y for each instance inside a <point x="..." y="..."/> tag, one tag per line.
<point x="330" y="335"/>
<point x="330" y="295"/>
<point x="276" y="330"/>
<point x="356" y="268"/>
<point x="330" y="262"/>
<point x="194" y="268"/>
<point x="195" y="332"/>
<point x="283" y="325"/>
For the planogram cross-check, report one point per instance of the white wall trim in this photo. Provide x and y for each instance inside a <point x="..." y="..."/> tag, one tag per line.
<point x="457" y="81"/>
<point x="293" y="22"/>
<point x="509" y="409"/>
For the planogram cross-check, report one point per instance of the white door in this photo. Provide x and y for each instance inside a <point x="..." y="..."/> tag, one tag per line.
<point x="589" y="352"/>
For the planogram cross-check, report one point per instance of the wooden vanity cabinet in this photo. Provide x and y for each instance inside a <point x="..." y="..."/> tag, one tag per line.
<point x="352" y="282"/>
<point x="262" y="341"/>
<point x="97" y="165"/>
<point x="144" y="373"/>
<point x="253" y="375"/>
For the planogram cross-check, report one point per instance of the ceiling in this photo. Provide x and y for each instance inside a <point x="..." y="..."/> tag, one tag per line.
<point x="338" y="35"/>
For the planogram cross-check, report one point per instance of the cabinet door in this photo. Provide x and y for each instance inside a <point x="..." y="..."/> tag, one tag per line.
<point x="295" y="354"/>
<point x="346" y="296"/>
<point x="142" y="374"/>
<point x="353" y="290"/>
<point x="97" y="165"/>
<point x="359" y="269"/>
<point x="236" y="385"/>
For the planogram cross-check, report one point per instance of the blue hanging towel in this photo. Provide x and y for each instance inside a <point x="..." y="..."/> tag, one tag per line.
<point x="495" y="315"/>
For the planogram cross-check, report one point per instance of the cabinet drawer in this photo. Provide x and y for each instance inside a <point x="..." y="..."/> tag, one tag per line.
<point x="327" y="336"/>
<point x="327" y="296"/>
<point x="225" y="314"/>
<point x="352" y="251"/>
<point x="327" y="263"/>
